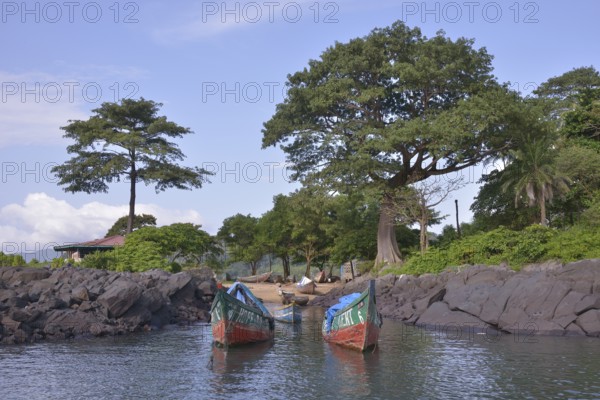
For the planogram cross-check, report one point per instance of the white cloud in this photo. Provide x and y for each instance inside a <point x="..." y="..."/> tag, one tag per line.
<point x="43" y="221"/>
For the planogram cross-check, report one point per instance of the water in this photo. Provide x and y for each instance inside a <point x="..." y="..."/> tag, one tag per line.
<point x="180" y="363"/>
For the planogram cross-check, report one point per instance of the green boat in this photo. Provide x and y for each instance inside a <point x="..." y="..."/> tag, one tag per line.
<point x="238" y="317"/>
<point x="354" y="322"/>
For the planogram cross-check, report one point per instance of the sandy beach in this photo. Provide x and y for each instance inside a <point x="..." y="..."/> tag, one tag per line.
<point x="269" y="294"/>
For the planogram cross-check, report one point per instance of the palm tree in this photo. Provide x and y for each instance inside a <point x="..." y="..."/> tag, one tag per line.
<point x="533" y="174"/>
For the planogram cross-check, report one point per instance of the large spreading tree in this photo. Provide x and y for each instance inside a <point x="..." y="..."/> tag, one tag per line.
<point x="129" y="141"/>
<point x="390" y="109"/>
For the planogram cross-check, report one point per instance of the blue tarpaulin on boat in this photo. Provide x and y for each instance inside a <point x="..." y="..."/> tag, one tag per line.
<point x="343" y="302"/>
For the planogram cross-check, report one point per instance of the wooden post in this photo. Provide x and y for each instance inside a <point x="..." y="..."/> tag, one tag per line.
<point x="457" y="223"/>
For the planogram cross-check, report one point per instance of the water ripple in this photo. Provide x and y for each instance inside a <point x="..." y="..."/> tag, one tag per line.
<point x="409" y="363"/>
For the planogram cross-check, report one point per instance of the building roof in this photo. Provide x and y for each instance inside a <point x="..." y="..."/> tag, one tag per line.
<point x="104" y="243"/>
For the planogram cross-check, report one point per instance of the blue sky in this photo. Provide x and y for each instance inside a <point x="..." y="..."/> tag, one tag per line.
<point x="219" y="68"/>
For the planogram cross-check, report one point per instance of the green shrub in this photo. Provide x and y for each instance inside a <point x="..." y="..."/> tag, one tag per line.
<point x="106" y="260"/>
<point x="575" y="244"/>
<point x="11" y="260"/>
<point x="532" y="245"/>
<point x="141" y="256"/>
<point x="57" y="262"/>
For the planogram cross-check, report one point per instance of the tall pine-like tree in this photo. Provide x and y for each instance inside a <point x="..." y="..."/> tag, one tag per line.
<point x="126" y="141"/>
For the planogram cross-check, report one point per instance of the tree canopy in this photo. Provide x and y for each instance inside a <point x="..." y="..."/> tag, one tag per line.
<point x="240" y="234"/>
<point x="126" y="141"/>
<point x="166" y="247"/>
<point x="139" y="221"/>
<point x="563" y="157"/>
<point x="275" y="231"/>
<point x="391" y="109"/>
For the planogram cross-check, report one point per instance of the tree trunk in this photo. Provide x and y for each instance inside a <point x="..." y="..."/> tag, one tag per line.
<point x="423" y="235"/>
<point x="543" y="208"/>
<point x="457" y="223"/>
<point x="286" y="266"/>
<point x="387" y="245"/>
<point x="309" y="255"/>
<point x="133" y="177"/>
<point x="307" y="272"/>
<point x="423" y="221"/>
<point x="253" y="266"/>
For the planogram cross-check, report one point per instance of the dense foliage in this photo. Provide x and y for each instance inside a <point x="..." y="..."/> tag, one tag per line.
<point x="167" y="247"/>
<point x="365" y="128"/>
<point x="11" y="260"/>
<point x="390" y="109"/>
<point x="139" y="221"/>
<point x="514" y="248"/>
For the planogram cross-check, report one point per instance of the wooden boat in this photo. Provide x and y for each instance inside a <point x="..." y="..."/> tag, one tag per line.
<point x="255" y="278"/>
<point x="301" y="300"/>
<point x="306" y="286"/>
<point x="354" y="322"/>
<point x="290" y="314"/>
<point x="286" y="297"/>
<point x="238" y="317"/>
<point x="321" y="277"/>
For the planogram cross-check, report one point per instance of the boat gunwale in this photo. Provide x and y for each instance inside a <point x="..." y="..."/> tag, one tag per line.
<point x="237" y="302"/>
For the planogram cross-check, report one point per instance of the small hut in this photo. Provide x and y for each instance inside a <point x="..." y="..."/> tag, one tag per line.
<point x="77" y="251"/>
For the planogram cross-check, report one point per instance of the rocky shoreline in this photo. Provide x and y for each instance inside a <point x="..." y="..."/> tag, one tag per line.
<point x="547" y="299"/>
<point x="39" y="304"/>
<point x="544" y="299"/>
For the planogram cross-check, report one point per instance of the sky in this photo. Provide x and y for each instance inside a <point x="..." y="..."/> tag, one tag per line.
<point x="219" y="68"/>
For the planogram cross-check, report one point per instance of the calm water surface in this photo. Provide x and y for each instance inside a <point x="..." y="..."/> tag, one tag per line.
<point x="410" y="363"/>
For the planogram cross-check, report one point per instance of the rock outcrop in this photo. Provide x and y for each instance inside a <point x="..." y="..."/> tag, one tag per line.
<point x="39" y="304"/>
<point x="545" y="299"/>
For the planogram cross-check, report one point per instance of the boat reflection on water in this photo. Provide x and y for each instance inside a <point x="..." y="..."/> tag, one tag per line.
<point x="353" y="367"/>
<point x="239" y="358"/>
<point x="288" y="332"/>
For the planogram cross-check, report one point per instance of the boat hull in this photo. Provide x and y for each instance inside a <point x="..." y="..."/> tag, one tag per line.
<point x="357" y="325"/>
<point x="301" y="300"/>
<point x="309" y="288"/>
<point x="255" y="278"/>
<point x="235" y="323"/>
<point x="290" y="314"/>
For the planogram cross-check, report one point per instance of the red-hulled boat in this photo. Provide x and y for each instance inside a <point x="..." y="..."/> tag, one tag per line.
<point x="354" y="322"/>
<point x="238" y="317"/>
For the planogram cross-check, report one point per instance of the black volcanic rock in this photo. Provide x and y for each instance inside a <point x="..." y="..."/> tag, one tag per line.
<point x="38" y="304"/>
<point x="545" y="299"/>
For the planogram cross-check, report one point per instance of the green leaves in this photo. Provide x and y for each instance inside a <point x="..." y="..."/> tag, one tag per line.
<point x="11" y="260"/>
<point x="391" y="109"/>
<point x="388" y="107"/>
<point x="241" y="236"/>
<point x="516" y="248"/>
<point x="150" y="247"/>
<point x="126" y="141"/>
<point x="139" y="221"/>
<point x="120" y="136"/>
